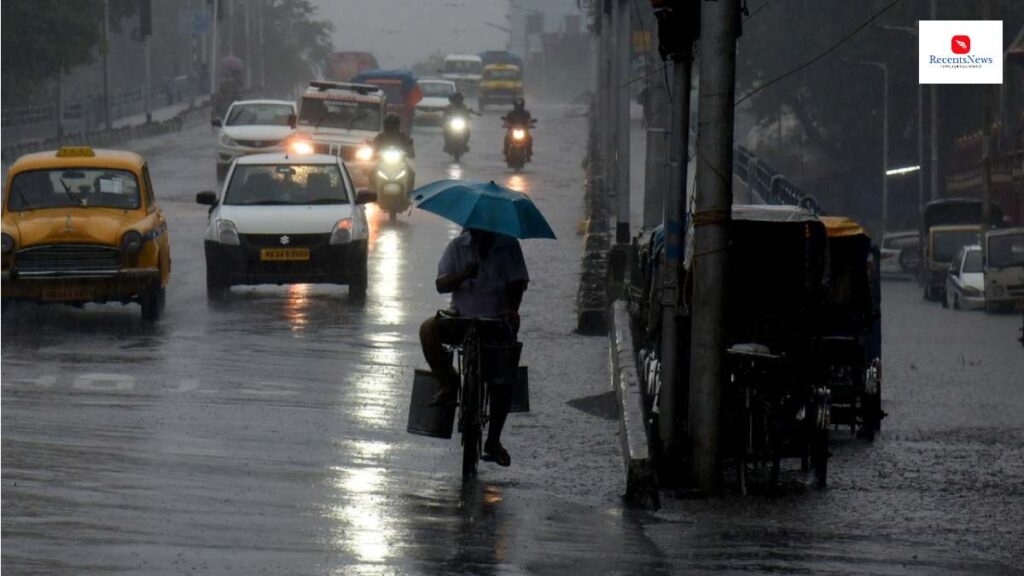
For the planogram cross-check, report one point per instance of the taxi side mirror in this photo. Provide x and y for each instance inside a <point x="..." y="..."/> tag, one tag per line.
<point x="217" y="123"/>
<point x="293" y="121"/>
<point x="206" y="198"/>
<point x="366" y="197"/>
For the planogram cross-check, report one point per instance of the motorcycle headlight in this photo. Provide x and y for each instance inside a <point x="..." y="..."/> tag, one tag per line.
<point x="227" y="233"/>
<point x="7" y="243"/>
<point x="519" y="134"/>
<point x="131" y="242"/>
<point x="227" y="141"/>
<point x="342" y="231"/>
<point x="457" y="124"/>
<point x="391" y="156"/>
<point x="364" y="153"/>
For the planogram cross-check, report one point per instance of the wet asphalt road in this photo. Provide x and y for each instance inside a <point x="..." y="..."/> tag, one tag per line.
<point x="267" y="435"/>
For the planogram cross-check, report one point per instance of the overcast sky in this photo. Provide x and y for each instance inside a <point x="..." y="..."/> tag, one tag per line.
<point x="401" y="32"/>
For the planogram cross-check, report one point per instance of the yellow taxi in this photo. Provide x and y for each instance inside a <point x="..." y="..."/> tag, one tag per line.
<point x="82" y="225"/>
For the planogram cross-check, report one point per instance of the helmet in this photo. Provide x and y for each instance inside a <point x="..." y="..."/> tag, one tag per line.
<point x="392" y="122"/>
<point x="456" y="98"/>
<point x="519" y="104"/>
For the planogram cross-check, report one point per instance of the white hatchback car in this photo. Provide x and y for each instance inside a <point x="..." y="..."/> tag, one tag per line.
<point x="286" y="219"/>
<point x="965" y="281"/>
<point x="252" y="127"/>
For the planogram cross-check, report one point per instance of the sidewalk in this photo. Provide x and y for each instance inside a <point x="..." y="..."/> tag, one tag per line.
<point x="160" y="114"/>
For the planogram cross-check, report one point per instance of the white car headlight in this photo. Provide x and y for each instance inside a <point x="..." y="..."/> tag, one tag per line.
<point x="457" y="124"/>
<point x="227" y="233"/>
<point x="342" y="231"/>
<point x="391" y="156"/>
<point x="364" y="153"/>
<point x="227" y="141"/>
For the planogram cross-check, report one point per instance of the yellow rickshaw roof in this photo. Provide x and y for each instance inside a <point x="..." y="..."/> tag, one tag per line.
<point x="100" y="158"/>
<point x="841" y="227"/>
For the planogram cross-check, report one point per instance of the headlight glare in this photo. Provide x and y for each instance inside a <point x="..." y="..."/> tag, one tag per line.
<point x="391" y="156"/>
<point x="457" y="124"/>
<point x="131" y="242"/>
<point x="227" y="233"/>
<point x="364" y="153"/>
<point x="519" y="133"/>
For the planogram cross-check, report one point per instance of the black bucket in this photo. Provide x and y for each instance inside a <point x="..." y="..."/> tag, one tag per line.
<point x="426" y="420"/>
<point x="500" y="363"/>
<point x="521" y="391"/>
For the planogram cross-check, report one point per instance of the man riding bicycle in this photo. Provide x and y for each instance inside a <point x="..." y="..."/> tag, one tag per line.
<point x="486" y="275"/>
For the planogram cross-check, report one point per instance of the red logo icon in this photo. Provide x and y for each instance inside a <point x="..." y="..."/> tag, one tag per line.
<point x="961" y="44"/>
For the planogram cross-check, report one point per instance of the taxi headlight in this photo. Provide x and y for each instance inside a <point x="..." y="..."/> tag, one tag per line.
<point x="131" y="242"/>
<point x="519" y="133"/>
<point x="342" y="232"/>
<point x="227" y="233"/>
<point x="7" y="243"/>
<point x="227" y="141"/>
<point x="364" y="153"/>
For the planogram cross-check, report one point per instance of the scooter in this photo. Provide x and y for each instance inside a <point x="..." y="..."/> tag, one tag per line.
<point x="391" y="182"/>
<point x="456" y="135"/>
<point x="517" y="145"/>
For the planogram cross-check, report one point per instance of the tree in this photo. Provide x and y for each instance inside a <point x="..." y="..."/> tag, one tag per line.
<point x="296" y="43"/>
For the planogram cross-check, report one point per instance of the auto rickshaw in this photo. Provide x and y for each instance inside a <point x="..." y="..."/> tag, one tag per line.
<point x="849" y="348"/>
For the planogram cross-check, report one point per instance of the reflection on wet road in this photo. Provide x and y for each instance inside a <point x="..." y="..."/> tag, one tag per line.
<point x="266" y="434"/>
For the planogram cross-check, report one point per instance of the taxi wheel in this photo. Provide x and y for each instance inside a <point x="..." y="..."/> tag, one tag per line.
<point x="216" y="287"/>
<point x="153" y="303"/>
<point x="357" y="286"/>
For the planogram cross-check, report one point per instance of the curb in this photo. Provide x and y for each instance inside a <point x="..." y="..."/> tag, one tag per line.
<point x="640" y="473"/>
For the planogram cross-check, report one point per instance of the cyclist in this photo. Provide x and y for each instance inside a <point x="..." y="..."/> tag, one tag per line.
<point x="486" y="275"/>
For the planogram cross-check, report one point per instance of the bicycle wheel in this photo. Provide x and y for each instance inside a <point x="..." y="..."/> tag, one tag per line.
<point x="471" y="422"/>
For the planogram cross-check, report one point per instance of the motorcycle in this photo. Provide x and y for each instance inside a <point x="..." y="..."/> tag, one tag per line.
<point x="517" y="145"/>
<point x="391" y="182"/>
<point x="456" y="135"/>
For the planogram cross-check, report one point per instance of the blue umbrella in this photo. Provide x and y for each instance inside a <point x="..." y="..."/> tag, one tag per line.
<point x="484" y="206"/>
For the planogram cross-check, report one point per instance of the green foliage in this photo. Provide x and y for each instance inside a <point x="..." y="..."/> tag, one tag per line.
<point x="295" y="42"/>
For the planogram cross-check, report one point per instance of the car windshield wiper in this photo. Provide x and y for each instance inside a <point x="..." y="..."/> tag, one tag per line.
<point x="328" y="201"/>
<point x="26" y="205"/>
<point x="74" y="197"/>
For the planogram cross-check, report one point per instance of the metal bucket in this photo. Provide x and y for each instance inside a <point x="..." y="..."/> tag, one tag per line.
<point x="521" y="391"/>
<point x="426" y="420"/>
<point x="500" y="363"/>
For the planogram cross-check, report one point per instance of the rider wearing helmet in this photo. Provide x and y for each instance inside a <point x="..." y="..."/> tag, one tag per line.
<point x="457" y="107"/>
<point x="393" y="137"/>
<point x="520" y="116"/>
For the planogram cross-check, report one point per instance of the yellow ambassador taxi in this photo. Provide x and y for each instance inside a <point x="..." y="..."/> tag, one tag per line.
<point x="82" y="225"/>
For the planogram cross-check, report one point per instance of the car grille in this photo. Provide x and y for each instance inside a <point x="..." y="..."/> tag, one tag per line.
<point x="274" y="240"/>
<point x="68" y="260"/>
<point x="259" y="143"/>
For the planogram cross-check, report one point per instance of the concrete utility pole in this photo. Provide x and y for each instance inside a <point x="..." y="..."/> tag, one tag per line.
<point x="934" y="127"/>
<point x="675" y="219"/>
<point x="623" y="59"/>
<point x="658" y="110"/>
<point x="262" y="50"/>
<point x="986" y="142"/>
<point x="147" y="97"/>
<point x="213" y="47"/>
<point x="107" y="120"/>
<point x="607" y="88"/>
<point x="713" y="210"/>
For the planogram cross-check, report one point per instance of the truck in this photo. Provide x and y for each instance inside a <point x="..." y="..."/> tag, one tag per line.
<point x="343" y="66"/>
<point x="500" y="84"/>
<point x="947" y="225"/>
<point x="465" y="70"/>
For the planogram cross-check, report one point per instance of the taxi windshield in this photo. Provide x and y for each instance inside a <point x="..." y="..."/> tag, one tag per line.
<point x="1006" y="250"/>
<point x="259" y="115"/>
<point x="345" y="114"/>
<point x="501" y="74"/>
<point x="74" y="187"/>
<point x="266" y="185"/>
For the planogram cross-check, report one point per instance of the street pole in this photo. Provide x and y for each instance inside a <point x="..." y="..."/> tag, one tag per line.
<point x="107" y="120"/>
<point x="675" y="219"/>
<point x="712" y="213"/>
<point x="608" y="114"/>
<point x="986" y="143"/>
<point x="213" y="49"/>
<point x="885" y="147"/>
<point x="920" y="148"/>
<point x="148" y="95"/>
<point x="658" y="111"/>
<point x="934" y="133"/>
<point x="623" y="59"/>
<point x="262" y="50"/>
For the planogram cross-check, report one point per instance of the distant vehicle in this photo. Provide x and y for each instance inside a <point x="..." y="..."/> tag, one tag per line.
<point x="489" y="57"/>
<point x="401" y="90"/>
<point x="946" y="212"/>
<point x="430" y="110"/>
<point x="943" y="244"/>
<point x="500" y="84"/>
<point x="965" y="280"/>
<point x="343" y="66"/>
<point x="83" y="225"/>
<point x="341" y="119"/>
<point x="286" y="219"/>
<point x="465" y="70"/>
<point x="1004" y="268"/>
<point x="252" y="127"/>
<point x="900" y="254"/>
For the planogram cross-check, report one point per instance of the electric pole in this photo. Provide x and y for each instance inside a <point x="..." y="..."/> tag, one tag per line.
<point x="623" y="59"/>
<point x="934" y="134"/>
<point x="107" y="120"/>
<point x="719" y="23"/>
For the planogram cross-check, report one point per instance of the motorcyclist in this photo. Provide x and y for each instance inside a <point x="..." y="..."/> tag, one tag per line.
<point x="520" y="116"/>
<point x="393" y="137"/>
<point x="457" y="107"/>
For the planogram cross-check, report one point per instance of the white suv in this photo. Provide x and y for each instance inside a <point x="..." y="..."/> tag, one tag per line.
<point x="286" y="219"/>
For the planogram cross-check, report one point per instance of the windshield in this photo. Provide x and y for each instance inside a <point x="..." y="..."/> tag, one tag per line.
<point x="83" y="187"/>
<point x="264" y="185"/>
<point x="436" y="89"/>
<point x="501" y="75"/>
<point x="462" y="67"/>
<point x="972" y="262"/>
<point x="1004" y="251"/>
<point x="946" y="244"/>
<point x="259" y="115"/>
<point x="343" y="114"/>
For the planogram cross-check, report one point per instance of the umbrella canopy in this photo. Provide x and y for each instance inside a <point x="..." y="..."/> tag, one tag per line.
<point x="484" y="206"/>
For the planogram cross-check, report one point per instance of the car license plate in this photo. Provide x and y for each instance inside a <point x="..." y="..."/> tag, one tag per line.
<point x="66" y="294"/>
<point x="284" y="254"/>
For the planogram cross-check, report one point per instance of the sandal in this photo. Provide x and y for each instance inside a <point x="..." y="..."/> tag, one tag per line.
<point x="496" y="454"/>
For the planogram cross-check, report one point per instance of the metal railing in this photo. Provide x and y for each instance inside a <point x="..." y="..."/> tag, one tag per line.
<point x="771" y="186"/>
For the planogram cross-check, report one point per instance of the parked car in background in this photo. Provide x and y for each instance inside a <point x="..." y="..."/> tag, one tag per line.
<point x="252" y="127"/>
<point x="965" y="280"/>
<point x="948" y="212"/>
<point x="900" y="254"/>
<point x="436" y="92"/>
<point x="943" y="244"/>
<point x="1004" y="268"/>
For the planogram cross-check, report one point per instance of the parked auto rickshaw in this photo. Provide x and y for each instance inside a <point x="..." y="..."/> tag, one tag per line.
<point x="849" y="349"/>
<point x="777" y="402"/>
<point x="401" y="89"/>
